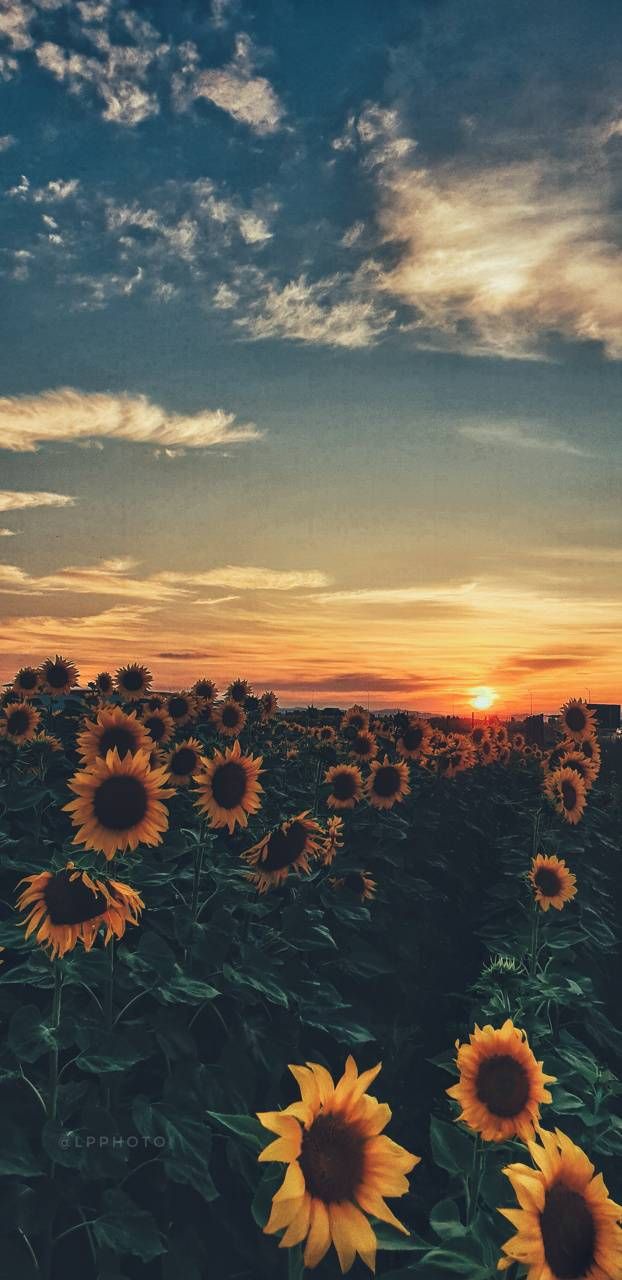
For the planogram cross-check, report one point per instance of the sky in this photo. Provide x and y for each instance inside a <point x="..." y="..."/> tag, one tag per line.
<point x="311" y="345"/>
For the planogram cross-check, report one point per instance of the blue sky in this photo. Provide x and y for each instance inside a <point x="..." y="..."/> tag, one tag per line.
<point x="311" y="342"/>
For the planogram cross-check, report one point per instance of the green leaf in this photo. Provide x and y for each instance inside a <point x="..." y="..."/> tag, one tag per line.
<point x="16" y="1157"/>
<point x="455" y="1263"/>
<point x="262" y="1200"/>
<point x="452" y="1147"/>
<point x="125" y="1228"/>
<point x="185" y="1144"/>
<point x="245" y="1127"/>
<point x="29" y="1037"/>
<point x="389" y="1238"/>
<point x="445" y="1220"/>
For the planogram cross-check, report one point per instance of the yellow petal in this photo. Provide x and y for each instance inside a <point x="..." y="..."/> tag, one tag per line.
<point x="318" y="1240"/>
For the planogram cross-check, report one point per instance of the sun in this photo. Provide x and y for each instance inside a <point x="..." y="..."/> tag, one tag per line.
<point x="483" y="698"/>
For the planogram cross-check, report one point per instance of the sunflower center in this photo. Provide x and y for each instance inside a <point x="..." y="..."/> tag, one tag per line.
<point x="238" y="691"/>
<point x="332" y="1159"/>
<point x="576" y="719"/>
<point x="104" y="682"/>
<point x="123" y="739"/>
<point x="354" y="882"/>
<point x="230" y="717"/>
<point x="204" y="689"/>
<point x="362" y="745"/>
<point x="357" y="722"/>
<point x="184" y="761"/>
<point x="155" y="727"/>
<point x="28" y="679"/>
<point x="132" y="680"/>
<point x="569" y="794"/>
<point x="178" y="707"/>
<point x="57" y="675"/>
<point x="568" y="1233"/>
<point x="548" y="882"/>
<point x="284" y="847"/>
<point x="386" y="780"/>
<point x="344" y="786"/>
<point x="413" y="737"/>
<point x="71" y="901"/>
<point x="120" y="802"/>
<point x="503" y="1085"/>
<point x="229" y="785"/>
<point x="478" y="735"/>
<point x="18" y="722"/>
<point x="587" y="748"/>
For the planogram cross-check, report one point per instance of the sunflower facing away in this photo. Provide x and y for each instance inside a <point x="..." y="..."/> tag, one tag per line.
<point x="567" y="793"/>
<point x="567" y="1228"/>
<point x="577" y="719"/>
<point x="355" y="717"/>
<point x="159" y="725"/>
<point x="26" y="682"/>
<point x="340" y="1166"/>
<point x="346" y="786"/>
<point x="119" y="803"/>
<point x="333" y="840"/>
<point x="69" y="906"/>
<point x="501" y="1085"/>
<point x="387" y="783"/>
<point x="19" y="721"/>
<point x="229" y="718"/>
<point x="112" y="729"/>
<point x="58" y="675"/>
<point x="287" y="848"/>
<point x="360" y="883"/>
<point x="269" y="704"/>
<point x="229" y="787"/>
<point x="553" y="884"/>
<point x="184" y="760"/>
<point x="413" y="741"/>
<point x="133" y="681"/>
<point x="181" y="707"/>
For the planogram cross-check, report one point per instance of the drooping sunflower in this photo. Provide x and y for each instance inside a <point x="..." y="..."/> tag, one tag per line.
<point x="26" y="682"/>
<point x="567" y="793"/>
<point x="552" y="882"/>
<point x="229" y="787"/>
<point x="112" y="729"/>
<point x="346" y="786"/>
<point x="70" y="906"/>
<point x="478" y="735"/>
<point x="588" y="770"/>
<point x="363" y="746"/>
<point x="387" y="784"/>
<point x="204" y="691"/>
<point x="133" y="681"/>
<point x="360" y="883"/>
<point x="287" y="848"/>
<point x="269" y="705"/>
<point x="501" y="1085"/>
<point x="184" y="760"/>
<point x="181" y="707"/>
<point x="577" y="720"/>
<point x="58" y="675"/>
<point x="119" y="803"/>
<point x="340" y="1166"/>
<point x="239" y="690"/>
<point x="567" y="1227"/>
<point x="159" y="725"/>
<point x="356" y="718"/>
<point x="589" y="747"/>
<point x="46" y="742"/>
<point x="413" y="742"/>
<point x="333" y="840"/>
<point x="104" y="683"/>
<point x="19" y="721"/>
<point x="229" y="718"/>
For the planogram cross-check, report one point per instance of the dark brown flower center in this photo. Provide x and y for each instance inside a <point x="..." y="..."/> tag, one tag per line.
<point x="71" y="901"/>
<point x="229" y="784"/>
<point x="155" y="727"/>
<point x="357" y="721"/>
<point x="344" y="785"/>
<point x="478" y="735"/>
<point x="178" y="707"/>
<point x="57" y="675"/>
<point x="547" y="881"/>
<point x="205" y="689"/>
<point x="18" y="722"/>
<point x="386" y="781"/>
<point x="354" y="882"/>
<point x="104" y="682"/>
<point x="27" y="679"/>
<point x="123" y="739"/>
<point x="569" y="794"/>
<point x="132" y="680"/>
<point x="326" y="734"/>
<point x="502" y="1085"/>
<point x="568" y="1233"/>
<point x="184" y="761"/>
<point x="587" y="747"/>
<point x="284" y="847"/>
<point x="362" y="745"/>
<point x="238" y="690"/>
<point x="413" y="737"/>
<point x="576" y="719"/>
<point x="332" y="1159"/>
<point x="230" y="717"/>
<point x="120" y="802"/>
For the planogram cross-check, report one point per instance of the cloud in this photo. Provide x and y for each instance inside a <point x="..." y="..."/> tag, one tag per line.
<point x="7" y="141"/>
<point x="7" y="533"/>
<point x="26" y="422"/>
<point x="399" y="595"/>
<point x="216" y="600"/>
<point x="15" y="19"/>
<point x="248" y="98"/>
<point x="578" y="554"/>
<point x="252" y="578"/>
<point x="361" y="682"/>
<point x="337" y="311"/>
<point x="10" y="500"/>
<point x="114" y="577"/>
<point x="515" y="436"/>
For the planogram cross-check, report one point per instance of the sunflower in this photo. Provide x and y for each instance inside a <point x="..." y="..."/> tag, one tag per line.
<point x="229" y="788"/>
<point x="119" y="803"/>
<point x="239" y="690"/>
<point x="567" y="793"/>
<point x="204" y="691"/>
<point x="58" y="675"/>
<point x="112" y="729"/>
<point x="414" y="739"/>
<point x="26" y="682"/>
<point x="567" y="1228"/>
<point x="104" y="683"/>
<point x="184" y="760"/>
<point x="553" y="884"/>
<point x="333" y="840"/>
<point x="501" y="1085"/>
<point x="359" y="883"/>
<point x="133" y="681"/>
<point x="356" y="718"/>
<point x="387" y="783"/>
<point x="326" y="734"/>
<point x="46" y="742"/>
<point x="500" y="734"/>
<point x="287" y="848"/>
<point x="577" y="720"/>
<point x="346" y="786"/>
<point x="363" y="746"/>
<point x="229" y="718"/>
<point x="487" y="752"/>
<point x="589" y="747"/>
<point x="159" y="725"/>
<point x="456" y="759"/>
<point x="181" y="707"/>
<point x="269" y="705"/>
<point x="69" y="906"/>
<point x="478" y="735"/>
<point x="519" y="741"/>
<point x="588" y="770"/>
<point x="19" y="721"/>
<point x="340" y="1166"/>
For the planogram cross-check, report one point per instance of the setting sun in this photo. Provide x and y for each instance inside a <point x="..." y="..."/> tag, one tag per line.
<point x="483" y="698"/>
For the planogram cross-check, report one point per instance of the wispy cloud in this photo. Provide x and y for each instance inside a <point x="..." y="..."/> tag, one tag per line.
<point x="216" y="600"/>
<point x="253" y="578"/>
<point x="118" y="577"/>
<point x="235" y="88"/>
<point x="7" y="533"/>
<point x="445" y="593"/>
<point x="7" y="141"/>
<point x="343" y="310"/>
<point x="516" y="436"/>
<point x="11" y="500"/>
<point x="26" y="422"/>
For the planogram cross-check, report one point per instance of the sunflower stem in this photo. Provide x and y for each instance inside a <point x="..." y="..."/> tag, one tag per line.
<point x="52" y="1101"/>
<point x="109" y="1009"/>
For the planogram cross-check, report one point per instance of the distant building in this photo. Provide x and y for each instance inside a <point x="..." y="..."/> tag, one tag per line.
<point x="607" y="715"/>
<point x="534" y="730"/>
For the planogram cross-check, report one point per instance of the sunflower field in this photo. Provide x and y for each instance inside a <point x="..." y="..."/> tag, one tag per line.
<point x="219" y="919"/>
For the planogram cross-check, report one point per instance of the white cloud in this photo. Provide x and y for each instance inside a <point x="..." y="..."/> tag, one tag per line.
<point x="399" y="595"/>
<point x="216" y="600"/>
<point x="338" y="311"/>
<point x="7" y="533"/>
<point x="7" y="141"/>
<point x="253" y="578"/>
<point x="248" y="98"/>
<point x="11" y="500"/>
<point x="15" y="19"/>
<point x="118" y="74"/>
<point x="515" y="436"/>
<point x="26" y="422"/>
<point x="118" y="578"/>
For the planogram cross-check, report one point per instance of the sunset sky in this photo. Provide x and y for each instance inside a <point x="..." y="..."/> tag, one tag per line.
<point x="311" y="345"/>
